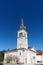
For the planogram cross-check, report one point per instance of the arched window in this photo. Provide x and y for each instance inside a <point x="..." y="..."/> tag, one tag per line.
<point x="20" y="53"/>
<point x="20" y="34"/>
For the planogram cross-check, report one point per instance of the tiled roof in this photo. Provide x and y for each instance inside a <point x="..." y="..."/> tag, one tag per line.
<point x="13" y="50"/>
<point x="38" y="52"/>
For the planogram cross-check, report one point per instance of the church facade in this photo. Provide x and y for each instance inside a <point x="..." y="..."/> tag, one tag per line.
<point x="23" y="54"/>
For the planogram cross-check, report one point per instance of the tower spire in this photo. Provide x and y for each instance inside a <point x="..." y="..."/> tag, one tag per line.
<point x="22" y="24"/>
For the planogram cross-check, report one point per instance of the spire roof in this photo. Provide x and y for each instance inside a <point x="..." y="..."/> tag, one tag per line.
<point x="22" y="24"/>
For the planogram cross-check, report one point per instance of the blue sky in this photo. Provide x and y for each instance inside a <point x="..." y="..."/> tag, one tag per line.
<point x="11" y="12"/>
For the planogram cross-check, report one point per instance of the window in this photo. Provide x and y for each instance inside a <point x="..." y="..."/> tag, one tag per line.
<point x="33" y="57"/>
<point x="20" y="53"/>
<point x="20" y="34"/>
<point x="38" y="61"/>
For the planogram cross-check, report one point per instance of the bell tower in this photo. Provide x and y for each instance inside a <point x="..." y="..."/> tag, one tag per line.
<point x="22" y="41"/>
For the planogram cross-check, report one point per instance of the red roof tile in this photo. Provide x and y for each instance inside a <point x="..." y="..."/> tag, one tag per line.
<point x="38" y="52"/>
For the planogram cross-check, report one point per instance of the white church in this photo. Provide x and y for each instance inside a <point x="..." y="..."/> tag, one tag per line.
<point x="23" y="55"/>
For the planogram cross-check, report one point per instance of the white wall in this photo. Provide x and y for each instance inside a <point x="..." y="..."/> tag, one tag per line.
<point x="23" y="55"/>
<point x="8" y="54"/>
<point x="22" y="42"/>
<point x="31" y="57"/>
<point x="38" y="59"/>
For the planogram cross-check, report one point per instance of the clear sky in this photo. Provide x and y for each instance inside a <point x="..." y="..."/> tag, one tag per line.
<point x="11" y="12"/>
